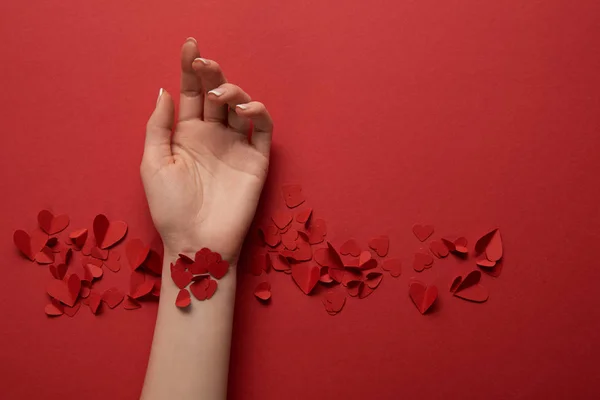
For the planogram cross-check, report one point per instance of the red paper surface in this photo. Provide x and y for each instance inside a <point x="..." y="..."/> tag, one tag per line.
<point x="463" y="114"/>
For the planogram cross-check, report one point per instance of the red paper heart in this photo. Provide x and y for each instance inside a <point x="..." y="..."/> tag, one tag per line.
<point x="270" y="235"/>
<point x="325" y="277"/>
<point x="263" y="291"/>
<point x="373" y="279"/>
<point x="45" y="256"/>
<point x="422" y="296"/>
<point x="306" y="276"/>
<point x="108" y="233"/>
<point x="112" y="297"/>
<point x="65" y="292"/>
<point x="90" y="260"/>
<point x="334" y="302"/>
<point x="99" y="253"/>
<point x="380" y="245"/>
<point x="303" y="250"/>
<point x="200" y="264"/>
<point x="468" y="287"/>
<point x="351" y="247"/>
<point x="282" y="218"/>
<point x="183" y="298"/>
<point x="58" y="271"/>
<point x="79" y="237"/>
<point x="93" y="272"/>
<point x="495" y="270"/>
<point x="280" y="263"/>
<point x="354" y="288"/>
<point x="439" y="249"/>
<point x="304" y="216"/>
<point x="113" y="262"/>
<point x="71" y="311"/>
<point x="181" y="278"/>
<point x="288" y="239"/>
<point x="66" y="255"/>
<point x="364" y="290"/>
<point x="491" y="244"/>
<point x="422" y="232"/>
<point x="136" y="252"/>
<point x="218" y="269"/>
<point x="94" y="302"/>
<point x="139" y="286"/>
<point x="54" y="309"/>
<point x="204" y="289"/>
<point x="317" y="231"/>
<point x="292" y="195"/>
<point x="393" y="266"/>
<point x="131" y="304"/>
<point x="422" y="261"/>
<point x="154" y="262"/>
<point x="458" y="246"/>
<point x="30" y="246"/>
<point x="51" y="224"/>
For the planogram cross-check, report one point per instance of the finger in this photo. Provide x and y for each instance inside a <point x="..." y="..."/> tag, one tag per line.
<point x="231" y="95"/>
<point x="211" y="77"/>
<point x="263" y="124"/>
<point x="190" y="103"/>
<point x="157" y="149"/>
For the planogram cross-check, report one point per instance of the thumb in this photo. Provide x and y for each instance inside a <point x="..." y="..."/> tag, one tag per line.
<point x="157" y="149"/>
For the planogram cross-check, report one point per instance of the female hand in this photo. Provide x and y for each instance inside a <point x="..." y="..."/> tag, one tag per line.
<point x="204" y="180"/>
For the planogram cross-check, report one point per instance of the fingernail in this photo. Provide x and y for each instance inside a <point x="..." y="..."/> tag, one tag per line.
<point x="242" y="106"/>
<point x="202" y="60"/>
<point x="217" y="92"/>
<point x="191" y="39"/>
<point x="160" y="92"/>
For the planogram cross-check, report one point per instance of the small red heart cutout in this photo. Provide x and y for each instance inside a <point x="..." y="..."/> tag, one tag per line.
<point x="270" y="235"/>
<point x="351" y="247"/>
<point x="131" y="304"/>
<point x="65" y="292"/>
<point x="282" y="219"/>
<point x="422" y="260"/>
<point x="183" y="298"/>
<point x="263" y="291"/>
<point x="112" y="297"/>
<point x="380" y="245"/>
<point x="439" y="249"/>
<point x="292" y="195"/>
<point x="468" y="287"/>
<point x="58" y="271"/>
<point x="28" y="245"/>
<point x="422" y="296"/>
<point x="306" y="276"/>
<point x="218" y="269"/>
<point x="373" y="279"/>
<point x="491" y="244"/>
<point x="422" y="232"/>
<point x="304" y="216"/>
<point x="108" y="233"/>
<point x="393" y="266"/>
<point x="113" y="262"/>
<point x="334" y="302"/>
<point x="94" y="302"/>
<point x="136" y="252"/>
<point x="45" y="256"/>
<point x="317" y="231"/>
<point x="181" y="278"/>
<point x="78" y="237"/>
<point x="52" y="224"/>
<point x="54" y="309"/>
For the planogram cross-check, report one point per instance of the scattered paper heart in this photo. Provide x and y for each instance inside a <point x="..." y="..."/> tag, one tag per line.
<point x="52" y="224"/>
<point x="422" y="232"/>
<point x="263" y="291"/>
<point x="422" y="296"/>
<point x="108" y="233"/>
<point x="380" y="245"/>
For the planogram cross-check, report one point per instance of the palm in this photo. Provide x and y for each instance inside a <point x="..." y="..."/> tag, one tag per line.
<point x="204" y="181"/>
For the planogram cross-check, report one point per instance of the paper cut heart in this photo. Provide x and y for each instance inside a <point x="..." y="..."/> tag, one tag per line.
<point x="325" y="277"/>
<point x="94" y="302"/>
<point x="263" y="291"/>
<point x="393" y="266"/>
<point x="54" y="308"/>
<point x="131" y="304"/>
<point x="112" y="297"/>
<point x="113" y="262"/>
<point x="30" y="246"/>
<point x="58" y="271"/>
<point x="65" y="291"/>
<point x="422" y="296"/>
<point x="491" y="244"/>
<point x="79" y="237"/>
<point x="306" y="276"/>
<point x="181" y="278"/>
<point x="282" y="218"/>
<point x="218" y="269"/>
<point x="373" y="279"/>
<point x="136" y="252"/>
<point x="317" y="231"/>
<point x="292" y="195"/>
<point x="458" y="246"/>
<point x="45" y="256"/>
<point x="304" y="216"/>
<point x="380" y="245"/>
<point x="366" y="261"/>
<point x="153" y="262"/>
<point x="93" y="272"/>
<point x="183" y="299"/>
<point x="334" y="302"/>
<point x="439" y="249"/>
<point x="204" y="289"/>
<point x="288" y="239"/>
<point x="422" y="232"/>
<point x="99" y="253"/>
<point x="52" y="224"/>
<point x="108" y="233"/>
<point x="270" y="235"/>
<point x="350" y="247"/>
<point x="139" y="286"/>
<point x="71" y="311"/>
<point x="468" y="287"/>
<point x="422" y="260"/>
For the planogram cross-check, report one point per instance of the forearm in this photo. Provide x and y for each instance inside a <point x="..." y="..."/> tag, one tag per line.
<point x="190" y="350"/>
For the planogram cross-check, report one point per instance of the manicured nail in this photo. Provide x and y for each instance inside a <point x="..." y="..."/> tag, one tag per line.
<point x="217" y="92"/>
<point x="191" y="39"/>
<point x="160" y="92"/>
<point x="202" y="60"/>
<point x="242" y="106"/>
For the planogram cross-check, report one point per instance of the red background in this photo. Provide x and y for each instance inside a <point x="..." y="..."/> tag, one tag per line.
<point x="461" y="113"/>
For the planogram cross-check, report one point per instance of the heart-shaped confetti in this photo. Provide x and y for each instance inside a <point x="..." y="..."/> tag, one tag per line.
<point x="153" y="262"/>
<point x="112" y="297"/>
<point x="288" y="239"/>
<point x="304" y="216"/>
<point x="183" y="298"/>
<point x="439" y="249"/>
<point x="28" y="245"/>
<point x="263" y="291"/>
<point x="79" y="237"/>
<point x="306" y="276"/>
<point x="373" y="279"/>
<point x="393" y="266"/>
<point x="93" y="272"/>
<point x="108" y="233"/>
<point x="270" y="235"/>
<point x="292" y="195"/>
<point x="131" y="304"/>
<point x="45" y="256"/>
<point x="52" y="224"/>
<point x="317" y="231"/>
<point x="468" y="287"/>
<point x="281" y="219"/>
<point x="136" y="252"/>
<point x="380" y="245"/>
<point x="350" y="247"/>
<point x="71" y="311"/>
<point x="325" y="277"/>
<point x="218" y="269"/>
<point x="94" y="301"/>
<point x="54" y="308"/>
<point x="491" y="244"/>
<point x="98" y="253"/>
<point x="181" y="278"/>
<point x="58" y="271"/>
<point x="422" y="296"/>
<point x="422" y="260"/>
<point x="422" y="232"/>
<point x="113" y="262"/>
<point x="139" y="286"/>
<point x="65" y="291"/>
<point x="334" y="302"/>
<point x="204" y="289"/>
